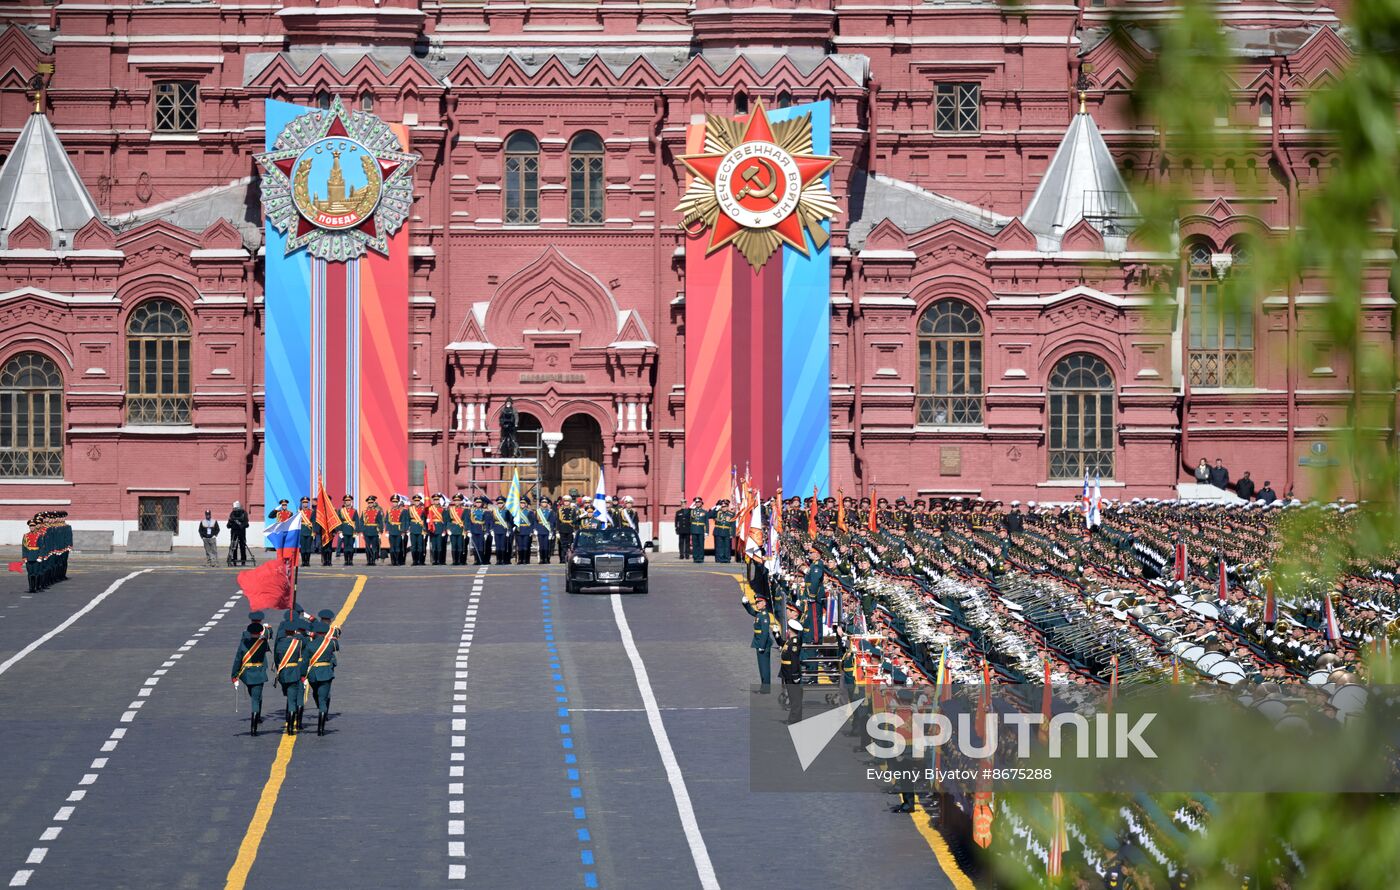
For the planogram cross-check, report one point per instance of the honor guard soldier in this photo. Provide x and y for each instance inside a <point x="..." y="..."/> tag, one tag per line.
<point x="290" y="655"/>
<point x="398" y="515"/>
<point x="282" y="514"/>
<point x="415" y="523"/>
<point x="372" y="522"/>
<point x="629" y="514"/>
<point x="699" y="528"/>
<point x="324" y="643"/>
<point x="724" y="530"/>
<point x="32" y="548"/>
<point x="437" y="530"/>
<point x="250" y="666"/>
<point x="524" y="527"/>
<point x="306" y="538"/>
<point x="480" y="528"/>
<point x="568" y="523"/>
<point x="457" y="529"/>
<point x="682" y="520"/>
<point x="766" y="629"/>
<point x="501" y="526"/>
<point x="347" y="526"/>
<point x="546" y="522"/>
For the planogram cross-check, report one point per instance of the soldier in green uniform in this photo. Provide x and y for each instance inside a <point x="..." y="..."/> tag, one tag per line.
<point x="457" y="517"/>
<point x="347" y="525"/>
<point x="699" y="528"/>
<point x="306" y="538"/>
<point x="32" y="550"/>
<point x="291" y="657"/>
<point x="372" y="524"/>
<point x="323" y="642"/>
<point x="415" y="523"/>
<point x="394" y="523"/>
<point x="502" y="524"/>
<point x="724" y="530"/>
<point x="568" y="523"/>
<point x="546" y="526"/>
<point x="437" y="531"/>
<point x="250" y="667"/>
<point x="765" y="630"/>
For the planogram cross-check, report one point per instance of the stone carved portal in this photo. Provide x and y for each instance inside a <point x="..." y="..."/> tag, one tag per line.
<point x="576" y="460"/>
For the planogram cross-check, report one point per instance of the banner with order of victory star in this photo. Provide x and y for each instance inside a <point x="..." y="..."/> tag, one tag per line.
<point x="337" y="189"/>
<point x="757" y="210"/>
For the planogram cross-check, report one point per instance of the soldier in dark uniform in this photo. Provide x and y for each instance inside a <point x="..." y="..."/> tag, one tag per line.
<point x="682" y="520"/>
<point x="765" y="630"/>
<point x="546" y="523"/>
<point x="457" y="516"/>
<point x="290" y="655"/>
<point x="790" y="667"/>
<point x="372" y="522"/>
<point x="502" y="524"/>
<point x="699" y="527"/>
<point x="347" y="526"/>
<point x="323" y="643"/>
<point x="524" y="527"/>
<point x="724" y="530"/>
<point x="250" y="667"/>
<point x="480" y="528"/>
<point x="568" y="523"/>
<point x="437" y="531"/>
<point x="307" y="538"/>
<point x="415" y="523"/>
<point x="32" y="550"/>
<point x="398" y="514"/>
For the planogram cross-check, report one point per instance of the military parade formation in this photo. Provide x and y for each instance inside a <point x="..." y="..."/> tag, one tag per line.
<point x="300" y="655"/>
<point x="1265" y="599"/>
<point x="44" y="550"/>
<point x="447" y="531"/>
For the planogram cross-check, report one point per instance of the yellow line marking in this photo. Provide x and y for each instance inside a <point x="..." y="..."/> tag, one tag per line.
<point x="946" y="860"/>
<point x="248" y="850"/>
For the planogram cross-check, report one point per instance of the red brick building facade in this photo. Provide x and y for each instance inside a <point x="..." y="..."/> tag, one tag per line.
<point x="993" y="327"/>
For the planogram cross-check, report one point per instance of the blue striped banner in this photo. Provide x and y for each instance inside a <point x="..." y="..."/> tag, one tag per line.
<point x="807" y="341"/>
<point x="287" y="363"/>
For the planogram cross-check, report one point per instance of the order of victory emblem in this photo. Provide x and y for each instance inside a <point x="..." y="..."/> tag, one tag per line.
<point x="759" y="186"/>
<point x="338" y="183"/>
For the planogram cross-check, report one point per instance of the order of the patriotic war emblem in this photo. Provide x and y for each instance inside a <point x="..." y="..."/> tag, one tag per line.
<point x="337" y="183"/>
<point x="759" y="186"/>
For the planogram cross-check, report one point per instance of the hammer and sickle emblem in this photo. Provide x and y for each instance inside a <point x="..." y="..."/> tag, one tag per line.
<point x="756" y="187"/>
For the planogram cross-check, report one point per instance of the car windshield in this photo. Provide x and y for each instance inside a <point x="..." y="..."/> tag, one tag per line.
<point x="615" y="536"/>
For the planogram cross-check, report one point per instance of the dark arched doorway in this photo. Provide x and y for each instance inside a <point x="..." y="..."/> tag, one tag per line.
<point x="576" y="460"/>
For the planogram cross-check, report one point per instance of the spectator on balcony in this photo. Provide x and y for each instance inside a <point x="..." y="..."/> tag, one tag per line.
<point x="1245" y="487"/>
<point x="1203" y="472"/>
<point x="1267" y="494"/>
<point x="1219" y="476"/>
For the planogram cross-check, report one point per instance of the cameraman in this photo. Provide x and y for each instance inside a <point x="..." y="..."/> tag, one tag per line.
<point x="238" y="534"/>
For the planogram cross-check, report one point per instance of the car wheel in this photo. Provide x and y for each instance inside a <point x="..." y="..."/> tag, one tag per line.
<point x="570" y="587"/>
<point x="640" y="588"/>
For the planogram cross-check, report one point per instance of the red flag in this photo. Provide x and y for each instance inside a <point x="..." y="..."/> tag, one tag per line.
<point x="841" y="510"/>
<point x="1270" y="603"/>
<point x="267" y="587"/>
<point x="325" y="511"/>
<point x="17" y="566"/>
<point x="1181" y="567"/>
<point x="873" y="522"/>
<point x="1223" y="584"/>
<point x="812" y="515"/>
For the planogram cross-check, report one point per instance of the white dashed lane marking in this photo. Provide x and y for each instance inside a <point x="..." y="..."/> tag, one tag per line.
<point x="37" y="855"/>
<point x="456" y="804"/>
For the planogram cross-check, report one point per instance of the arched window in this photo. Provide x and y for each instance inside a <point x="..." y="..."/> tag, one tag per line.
<point x="1081" y="418"/>
<point x="586" y="179"/>
<point x="1221" y="342"/>
<point x="1266" y="110"/>
<point x="784" y="99"/>
<point x="522" y="180"/>
<point x="158" y="364"/>
<point x="31" y="418"/>
<point x="950" y="365"/>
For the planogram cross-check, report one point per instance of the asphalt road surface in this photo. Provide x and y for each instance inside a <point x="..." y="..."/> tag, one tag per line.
<point x="487" y="730"/>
